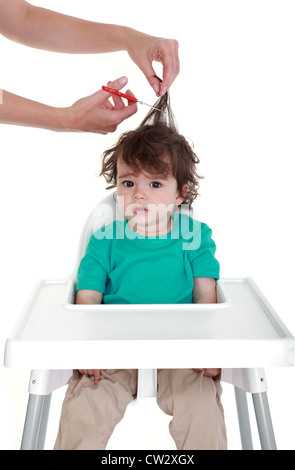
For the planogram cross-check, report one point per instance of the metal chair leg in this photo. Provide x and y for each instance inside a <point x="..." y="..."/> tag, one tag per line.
<point x="263" y="419"/>
<point x="243" y="417"/>
<point x="36" y="422"/>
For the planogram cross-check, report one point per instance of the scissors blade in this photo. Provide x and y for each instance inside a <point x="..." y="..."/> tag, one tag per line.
<point x="130" y="98"/>
<point x="153" y="107"/>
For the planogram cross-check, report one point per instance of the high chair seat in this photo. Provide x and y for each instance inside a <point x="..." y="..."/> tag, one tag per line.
<point x="241" y="334"/>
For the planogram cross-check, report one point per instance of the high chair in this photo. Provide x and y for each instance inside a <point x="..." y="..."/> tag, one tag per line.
<point x="240" y="334"/>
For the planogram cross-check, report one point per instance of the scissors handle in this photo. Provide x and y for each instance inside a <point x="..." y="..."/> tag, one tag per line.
<point x="118" y="93"/>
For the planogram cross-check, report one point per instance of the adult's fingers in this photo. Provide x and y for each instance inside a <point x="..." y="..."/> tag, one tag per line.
<point x="96" y="113"/>
<point x="116" y="84"/>
<point x="170" y="62"/>
<point x="118" y="115"/>
<point x="164" y="51"/>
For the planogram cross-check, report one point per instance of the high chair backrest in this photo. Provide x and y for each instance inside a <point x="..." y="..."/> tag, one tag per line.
<point x="102" y="214"/>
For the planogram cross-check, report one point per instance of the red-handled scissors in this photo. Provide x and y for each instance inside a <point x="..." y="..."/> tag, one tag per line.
<point x="128" y="97"/>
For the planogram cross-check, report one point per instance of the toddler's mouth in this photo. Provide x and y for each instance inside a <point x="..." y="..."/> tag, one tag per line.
<point x="139" y="210"/>
<point x="136" y="209"/>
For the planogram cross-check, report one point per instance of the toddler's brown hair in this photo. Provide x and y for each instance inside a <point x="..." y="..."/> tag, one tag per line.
<point x="145" y="149"/>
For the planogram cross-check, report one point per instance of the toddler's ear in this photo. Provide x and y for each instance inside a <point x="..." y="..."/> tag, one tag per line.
<point x="182" y="195"/>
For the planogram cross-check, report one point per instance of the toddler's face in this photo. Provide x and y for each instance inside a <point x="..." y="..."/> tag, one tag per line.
<point x="146" y="200"/>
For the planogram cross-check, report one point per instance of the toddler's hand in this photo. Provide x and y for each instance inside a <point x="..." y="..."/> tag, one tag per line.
<point x="210" y="372"/>
<point x="94" y="372"/>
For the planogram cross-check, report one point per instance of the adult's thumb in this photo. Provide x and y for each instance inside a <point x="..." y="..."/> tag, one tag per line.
<point x="118" y="84"/>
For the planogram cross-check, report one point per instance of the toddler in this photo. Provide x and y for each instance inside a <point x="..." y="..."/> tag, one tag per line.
<point x="156" y="254"/>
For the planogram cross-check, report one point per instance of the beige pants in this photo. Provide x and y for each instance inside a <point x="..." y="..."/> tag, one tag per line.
<point x="91" y="411"/>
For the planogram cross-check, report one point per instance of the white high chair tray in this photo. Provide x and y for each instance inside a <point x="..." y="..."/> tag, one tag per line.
<point x="241" y="330"/>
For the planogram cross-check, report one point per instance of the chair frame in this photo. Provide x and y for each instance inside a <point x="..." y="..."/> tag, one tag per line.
<point x="245" y="380"/>
<point x="253" y="381"/>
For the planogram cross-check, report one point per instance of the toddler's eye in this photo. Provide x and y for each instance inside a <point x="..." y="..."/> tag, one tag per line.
<point x="155" y="184"/>
<point x="127" y="184"/>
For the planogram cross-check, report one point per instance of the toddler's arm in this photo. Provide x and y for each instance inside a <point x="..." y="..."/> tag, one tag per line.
<point x="205" y="293"/>
<point x="85" y="296"/>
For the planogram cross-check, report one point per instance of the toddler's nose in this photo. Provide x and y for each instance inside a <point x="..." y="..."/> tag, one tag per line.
<point x="138" y="194"/>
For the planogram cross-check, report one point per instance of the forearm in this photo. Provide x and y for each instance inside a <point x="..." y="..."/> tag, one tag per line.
<point x="21" y="111"/>
<point x="208" y="298"/>
<point x="88" y="297"/>
<point x="92" y="113"/>
<point x="204" y="291"/>
<point x="45" y="29"/>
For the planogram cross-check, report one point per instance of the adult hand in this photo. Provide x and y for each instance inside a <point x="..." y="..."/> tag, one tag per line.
<point x="96" y="113"/>
<point x="144" y="49"/>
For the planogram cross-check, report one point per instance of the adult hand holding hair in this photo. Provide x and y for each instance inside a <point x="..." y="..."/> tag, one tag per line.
<point x="144" y="49"/>
<point x="48" y="30"/>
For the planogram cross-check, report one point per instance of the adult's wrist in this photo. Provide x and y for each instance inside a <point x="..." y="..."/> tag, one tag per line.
<point x="131" y="39"/>
<point x="65" y="120"/>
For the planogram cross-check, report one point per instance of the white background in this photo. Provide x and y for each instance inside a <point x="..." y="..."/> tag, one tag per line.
<point x="234" y="97"/>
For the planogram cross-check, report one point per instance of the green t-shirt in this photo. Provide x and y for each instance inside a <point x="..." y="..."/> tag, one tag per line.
<point x="129" y="268"/>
